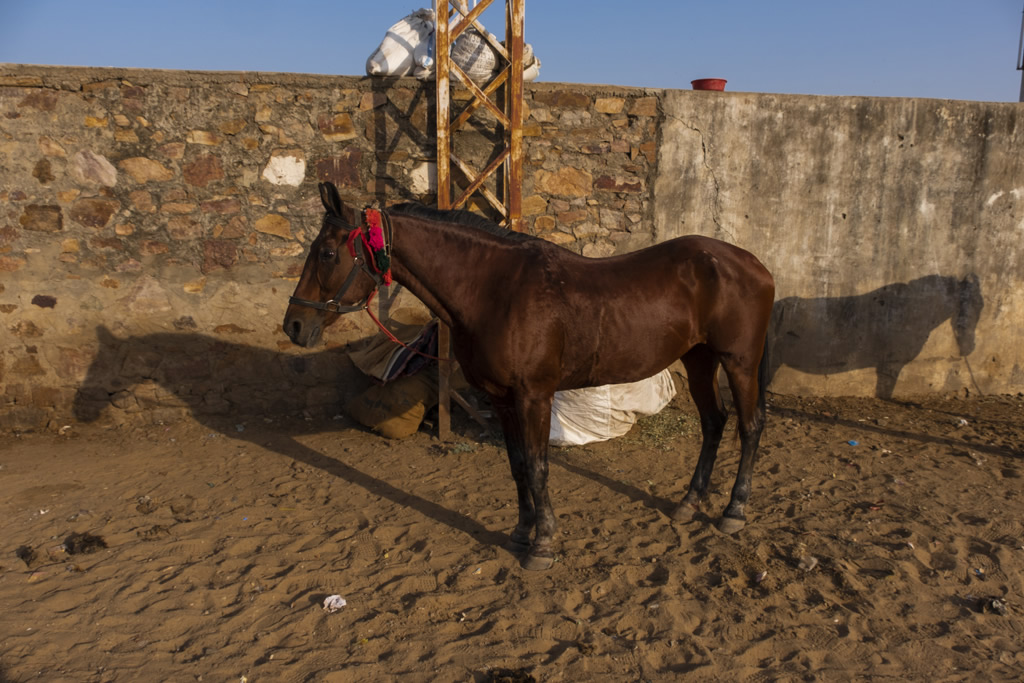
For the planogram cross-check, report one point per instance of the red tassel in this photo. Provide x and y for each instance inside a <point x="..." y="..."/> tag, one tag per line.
<point x="373" y="227"/>
<point x="374" y="240"/>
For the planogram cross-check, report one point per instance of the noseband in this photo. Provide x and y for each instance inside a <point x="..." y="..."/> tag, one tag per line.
<point x="367" y="257"/>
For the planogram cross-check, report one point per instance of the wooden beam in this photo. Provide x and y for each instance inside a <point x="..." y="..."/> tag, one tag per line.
<point x="476" y="182"/>
<point x="474" y="103"/>
<point x="442" y="60"/>
<point x="478" y="94"/>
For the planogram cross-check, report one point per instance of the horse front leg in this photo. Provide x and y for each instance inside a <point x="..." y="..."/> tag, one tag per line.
<point x="519" y="538"/>
<point x="527" y="425"/>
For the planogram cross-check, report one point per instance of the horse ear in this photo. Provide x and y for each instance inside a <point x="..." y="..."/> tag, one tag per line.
<point x="330" y="198"/>
<point x="105" y="337"/>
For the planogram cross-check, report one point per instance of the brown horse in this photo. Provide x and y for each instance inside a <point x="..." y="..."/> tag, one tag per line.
<point x="529" y="318"/>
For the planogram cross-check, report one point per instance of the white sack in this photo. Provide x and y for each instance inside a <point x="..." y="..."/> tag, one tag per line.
<point x="408" y="50"/>
<point x="582" y="416"/>
<point x="405" y="47"/>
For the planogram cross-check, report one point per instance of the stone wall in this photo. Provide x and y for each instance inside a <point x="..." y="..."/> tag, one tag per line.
<point x="153" y="224"/>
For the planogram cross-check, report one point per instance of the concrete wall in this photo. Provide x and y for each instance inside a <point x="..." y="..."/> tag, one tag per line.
<point x="893" y="226"/>
<point x="152" y="225"/>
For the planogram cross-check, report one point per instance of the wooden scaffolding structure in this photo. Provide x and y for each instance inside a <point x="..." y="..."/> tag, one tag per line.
<point x="502" y="96"/>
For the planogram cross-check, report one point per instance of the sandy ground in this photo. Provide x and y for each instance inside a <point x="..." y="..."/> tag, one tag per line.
<point x="886" y="540"/>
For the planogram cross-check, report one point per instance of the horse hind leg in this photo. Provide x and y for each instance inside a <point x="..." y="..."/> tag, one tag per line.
<point x="746" y="378"/>
<point x="702" y="375"/>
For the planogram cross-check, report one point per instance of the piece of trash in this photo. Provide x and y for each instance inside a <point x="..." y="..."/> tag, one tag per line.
<point x="853" y="443"/>
<point x="961" y="422"/>
<point x="808" y="562"/>
<point x="26" y="554"/>
<point x="64" y="430"/>
<point x="153" y="533"/>
<point x="994" y="605"/>
<point x="980" y="573"/>
<point x="517" y="675"/>
<point x="239" y="428"/>
<point x="333" y="603"/>
<point x="761" y="576"/>
<point x="83" y="543"/>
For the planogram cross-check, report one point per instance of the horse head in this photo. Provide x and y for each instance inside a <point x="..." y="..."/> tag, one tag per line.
<point x="969" y="303"/>
<point x="331" y="282"/>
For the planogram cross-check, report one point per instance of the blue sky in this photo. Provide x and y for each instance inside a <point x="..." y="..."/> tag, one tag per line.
<point x="962" y="49"/>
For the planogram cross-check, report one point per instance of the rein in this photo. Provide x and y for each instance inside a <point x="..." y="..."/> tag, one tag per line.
<point x="369" y="238"/>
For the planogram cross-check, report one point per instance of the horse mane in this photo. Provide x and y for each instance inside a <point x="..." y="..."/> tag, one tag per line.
<point x="460" y="217"/>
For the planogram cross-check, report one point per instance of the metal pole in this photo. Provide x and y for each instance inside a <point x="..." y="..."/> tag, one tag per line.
<point x="1020" y="59"/>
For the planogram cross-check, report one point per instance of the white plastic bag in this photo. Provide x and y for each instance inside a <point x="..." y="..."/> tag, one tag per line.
<point x="475" y="56"/>
<point x="582" y="416"/>
<point x="478" y="58"/>
<point x="406" y="49"/>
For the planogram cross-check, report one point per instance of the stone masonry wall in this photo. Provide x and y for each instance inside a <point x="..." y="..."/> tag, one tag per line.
<point x="153" y="223"/>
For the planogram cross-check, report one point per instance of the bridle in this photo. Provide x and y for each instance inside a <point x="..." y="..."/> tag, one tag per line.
<point x="363" y="261"/>
<point x="374" y="262"/>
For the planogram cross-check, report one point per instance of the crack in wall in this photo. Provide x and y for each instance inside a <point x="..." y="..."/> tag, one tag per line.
<point x="716" y="203"/>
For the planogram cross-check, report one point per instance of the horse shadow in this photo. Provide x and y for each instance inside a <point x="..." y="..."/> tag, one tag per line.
<point x="884" y="329"/>
<point x="221" y="383"/>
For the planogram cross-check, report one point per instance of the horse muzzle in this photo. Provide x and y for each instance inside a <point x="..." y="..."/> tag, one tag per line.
<point x="303" y="332"/>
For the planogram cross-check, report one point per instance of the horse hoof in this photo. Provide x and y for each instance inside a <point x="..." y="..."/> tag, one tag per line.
<point x="730" y="525"/>
<point x="536" y="563"/>
<point x="516" y="547"/>
<point x="684" y="513"/>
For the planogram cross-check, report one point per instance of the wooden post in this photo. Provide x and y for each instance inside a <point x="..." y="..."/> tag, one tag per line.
<point x="514" y="26"/>
<point x="442" y="48"/>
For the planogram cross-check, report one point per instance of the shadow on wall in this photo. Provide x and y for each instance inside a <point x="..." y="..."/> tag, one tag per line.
<point x="208" y="376"/>
<point x="884" y="329"/>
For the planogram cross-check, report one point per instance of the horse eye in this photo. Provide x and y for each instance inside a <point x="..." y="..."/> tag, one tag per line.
<point x="328" y="255"/>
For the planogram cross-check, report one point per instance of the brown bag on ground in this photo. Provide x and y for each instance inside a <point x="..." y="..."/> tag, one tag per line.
<point x="396" y="409"/>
